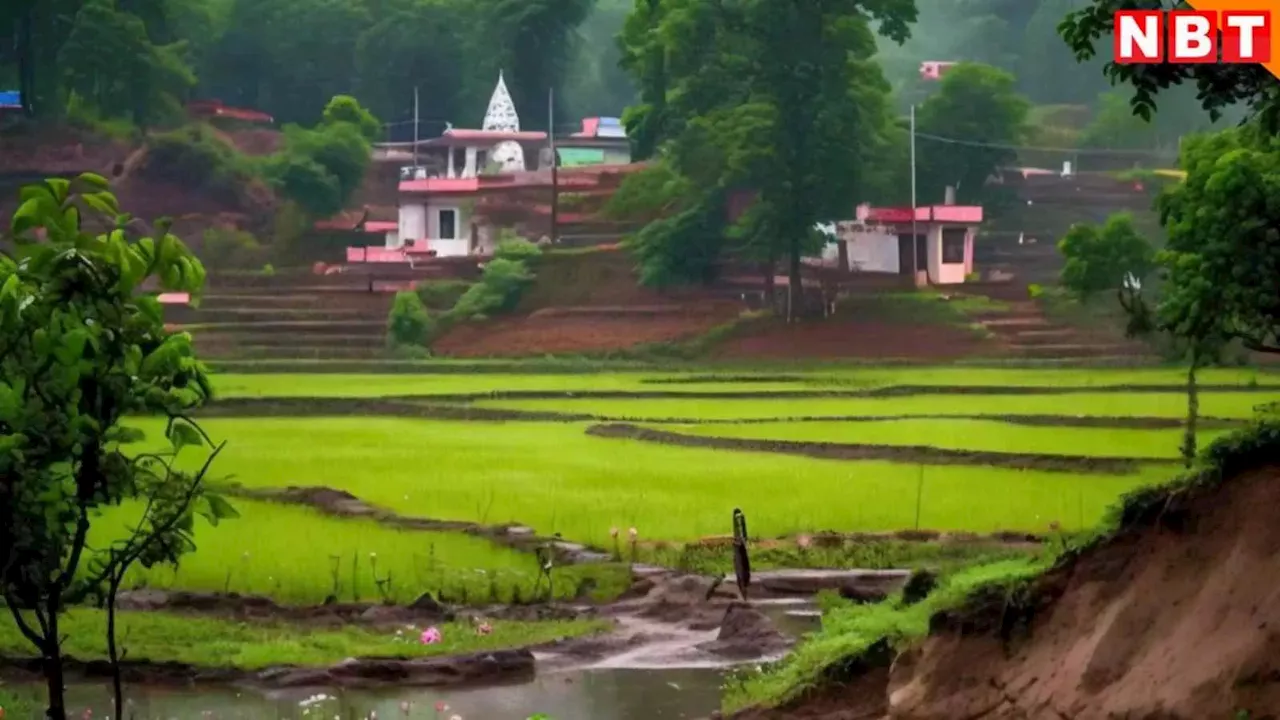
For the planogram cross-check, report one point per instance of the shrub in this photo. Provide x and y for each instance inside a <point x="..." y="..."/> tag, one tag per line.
<point x="320" y="169"/>
<point x="231" y="248"/>
<point x="409" y="323"/>
<point x="306" y="182"/>
<point x="499" y="289"/>
<point x="441" y="294"/>
<point x="346" y="109"/>
<point x="514" y="247"/>
<point x="194" y="158"/>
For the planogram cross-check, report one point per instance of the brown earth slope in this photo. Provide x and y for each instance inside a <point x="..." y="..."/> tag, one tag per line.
<point x="1179" y="619"/>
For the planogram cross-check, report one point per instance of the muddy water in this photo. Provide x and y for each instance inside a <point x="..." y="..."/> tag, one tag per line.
<point x="598" y="694"/>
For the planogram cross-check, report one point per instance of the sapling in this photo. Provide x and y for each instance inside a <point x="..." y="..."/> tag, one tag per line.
<point x="335" y="576"/>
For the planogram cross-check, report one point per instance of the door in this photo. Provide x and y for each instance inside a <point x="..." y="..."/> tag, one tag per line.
<point x="904" y="253"/>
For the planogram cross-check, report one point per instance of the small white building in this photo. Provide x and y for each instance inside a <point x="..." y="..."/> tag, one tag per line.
<point x="879" y="240"/>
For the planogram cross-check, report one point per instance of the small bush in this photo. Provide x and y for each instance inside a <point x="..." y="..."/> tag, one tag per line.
<point x="498" y="291"/>
<point x="516" y="248"/>
<point x="409" y="323"/>
<point x="230" y="248"/>
<point x="1035" y="290"/>
<point x="441" y="294"/>
<point x="194" y="158"/>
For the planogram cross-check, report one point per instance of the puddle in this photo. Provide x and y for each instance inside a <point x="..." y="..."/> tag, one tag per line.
<point x="595" y="694"/>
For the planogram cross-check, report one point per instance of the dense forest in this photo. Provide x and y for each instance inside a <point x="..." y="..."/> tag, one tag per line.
<point x="139" y="59"/>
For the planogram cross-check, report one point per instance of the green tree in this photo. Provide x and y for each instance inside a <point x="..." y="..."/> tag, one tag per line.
<point x="320" y="168"/>
<point x="415" y="46"/>
<point x="84" y="348"/>
<point x="781" y="101"/>
<point x="979" y="109"/>
<point x="110" y="62"/>
<point x="346" y="109"/>
<point x="1103" y="259"/>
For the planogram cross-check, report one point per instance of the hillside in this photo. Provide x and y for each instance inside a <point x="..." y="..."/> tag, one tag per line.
<point x="1174" y="615"/>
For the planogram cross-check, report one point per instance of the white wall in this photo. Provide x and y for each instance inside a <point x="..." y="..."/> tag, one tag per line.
<point x="873" y="252"/>
<point x="933" y="244"/>
<point x="460" y="243"/>
<point x="393" y="240"/>
<point x="413" y="221"/>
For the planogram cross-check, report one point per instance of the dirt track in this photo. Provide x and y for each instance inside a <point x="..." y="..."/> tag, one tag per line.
<point x="923" y="454"/>
<point x="1176" y="618"/>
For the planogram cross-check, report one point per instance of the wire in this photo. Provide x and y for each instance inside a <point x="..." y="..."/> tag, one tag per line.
<point x="1071" y="151"/>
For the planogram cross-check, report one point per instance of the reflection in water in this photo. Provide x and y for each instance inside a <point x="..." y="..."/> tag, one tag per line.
<point x="580" y="695"/>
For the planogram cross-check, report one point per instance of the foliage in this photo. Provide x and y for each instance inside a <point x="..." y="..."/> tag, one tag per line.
<point x="1115" y="125"/>
<point x="1219" y="86"/>
<point x="84" y="348"/>
<point x="346" y="109"/>
<point x="195" y="158"/>
<point x="230" y="248"/>
<point x="498" y="291"/>
<point x="413" y="45"/>
<point x="441" y="294"/>
<point x="1098" y="259"/>
<point x="409" y="322"/>
<point x="974" y="104"/>
<point x="109" y="61"/>
<point x="321" y="168"/>
<point x="799" y="133"/>
<point x="518" y="249"/>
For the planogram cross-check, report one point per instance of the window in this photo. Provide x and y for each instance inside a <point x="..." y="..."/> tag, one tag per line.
<point x="447" y="228"/>
<point x="953" y="245"/>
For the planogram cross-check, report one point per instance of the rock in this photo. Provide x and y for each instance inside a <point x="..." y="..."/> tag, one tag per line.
<point x="427" y="603"/>
<point x="387" y="614"/>
<point x="746" y="633"/>
<point x="142" y="600"/>
<point x="919" y="585"/>
<point x="862" y="596"/>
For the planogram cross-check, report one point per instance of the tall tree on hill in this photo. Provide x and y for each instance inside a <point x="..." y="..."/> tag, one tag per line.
<point x="978" y="108"/>
<point x="777" y="98"/>
<point x="415" y="46"/>
<point x="531" y="41"/>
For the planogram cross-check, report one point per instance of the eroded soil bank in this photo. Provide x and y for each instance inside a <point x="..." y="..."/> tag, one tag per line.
<point x="1175" y="618"/>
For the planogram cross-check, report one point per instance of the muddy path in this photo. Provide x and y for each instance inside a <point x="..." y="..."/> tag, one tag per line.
<point x="430" y="408"/>
<point x="919" y="454"/>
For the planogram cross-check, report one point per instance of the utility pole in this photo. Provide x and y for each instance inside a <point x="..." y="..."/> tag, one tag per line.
<point x="915" y="261"/>
<point x="555" y="162"/>
<point x="415" y="132"/>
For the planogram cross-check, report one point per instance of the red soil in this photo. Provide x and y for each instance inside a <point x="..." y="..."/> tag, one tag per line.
<point x="846" y="338"/>
<point x="1180" y="621"/>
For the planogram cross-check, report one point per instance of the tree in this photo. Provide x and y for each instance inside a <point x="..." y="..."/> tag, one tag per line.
<point x="321" y="168"/>
<point x="1103" y="259"/>
<point x="346" y="109"/>
<point x="979" y="108"/>
<point x="416" y="46"/>
<point x="1219" y="86"/>
<point x="110" y="62"/>
<point x="84" y="348"/>
<point x="775" y="99"/>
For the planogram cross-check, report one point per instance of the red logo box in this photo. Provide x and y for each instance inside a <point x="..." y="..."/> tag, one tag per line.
<point x="1193" y="36"/>
<point x="1246" y="36"/>
<point x="1138" y="37"/>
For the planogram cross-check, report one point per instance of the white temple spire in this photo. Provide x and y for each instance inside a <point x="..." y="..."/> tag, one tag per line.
<point x="501" y="114"/>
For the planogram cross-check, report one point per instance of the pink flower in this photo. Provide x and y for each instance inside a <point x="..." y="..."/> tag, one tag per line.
<point x="431" y="636"/>
<point x="441" y="707"/>
<point x="484" y="629"/>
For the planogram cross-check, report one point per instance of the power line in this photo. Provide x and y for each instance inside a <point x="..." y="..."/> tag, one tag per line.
<point x="1072" y="151"/>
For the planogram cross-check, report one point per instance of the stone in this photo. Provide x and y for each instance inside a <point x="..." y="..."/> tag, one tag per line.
<point x="746" y="633"/>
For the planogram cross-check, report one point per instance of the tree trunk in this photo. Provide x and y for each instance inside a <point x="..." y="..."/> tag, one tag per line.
<point x="53" y="668"/>
<point x="113" y="652"/>
<point x="1193" y="412"/>
<point x="795" y="292"/>
<point x="26" y="63"/>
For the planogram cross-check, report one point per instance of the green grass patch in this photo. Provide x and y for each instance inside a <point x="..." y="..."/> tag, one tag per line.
<point x="557" y="479"/>
<point x="975" y="435"/>
<point x="850" y="630"/>
<point x="210" y="642"/>
<point x="298" y="556"/>
<point x="494" y="379"/>
<point x="1165" y="405"/>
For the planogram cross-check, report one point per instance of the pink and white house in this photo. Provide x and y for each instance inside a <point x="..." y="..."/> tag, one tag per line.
<point x="879" y="240"/>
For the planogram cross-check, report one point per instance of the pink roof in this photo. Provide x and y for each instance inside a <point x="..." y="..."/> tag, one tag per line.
<point x="494" y="135"/>
<point x="377" y="226"/>
<point x="441" y="185"/>
<point x="966" y="214"/>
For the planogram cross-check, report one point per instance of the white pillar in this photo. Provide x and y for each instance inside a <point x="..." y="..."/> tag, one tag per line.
<point x="470" y="169"/>
<point x="449" y="171"/>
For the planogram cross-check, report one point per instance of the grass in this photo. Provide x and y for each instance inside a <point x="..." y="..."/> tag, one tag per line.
<point x="1167" y="405"/>
<point x="863" y="554"/>
<point x="850" y="630"/>
<point x="435" y="383"/>
<point x="212" y="642"/>
<point x="298" y="556"/>
<point x="18" y="703"/>
<point x="554" y="478"/>
<point x="976" y="435"/>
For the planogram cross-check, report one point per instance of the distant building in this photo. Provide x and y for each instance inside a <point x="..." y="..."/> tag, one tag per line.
<point x="215" y="110"/>
<point x="879" y="240"/>
<point x="935" y="69"/>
